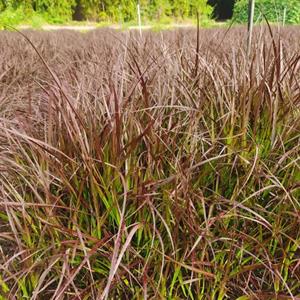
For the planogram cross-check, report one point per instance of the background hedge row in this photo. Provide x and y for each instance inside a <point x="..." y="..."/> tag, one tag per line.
<point x="273" y="10"/>
<point x="106" y="10"/>
<point x="119" y="11"/>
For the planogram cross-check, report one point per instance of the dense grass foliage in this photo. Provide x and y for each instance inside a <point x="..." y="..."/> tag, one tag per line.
<point x="275" y="11"/>
<point x="157" y="167"/>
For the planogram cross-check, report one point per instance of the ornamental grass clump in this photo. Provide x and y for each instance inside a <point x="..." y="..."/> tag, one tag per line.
<point x="157" y="167"/>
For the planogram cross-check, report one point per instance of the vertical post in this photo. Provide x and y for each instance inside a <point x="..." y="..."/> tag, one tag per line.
<point x="139" y="17"/>
<point x="120" y="17"/>
<point x="251" y="6"/>
<point x="284" y="16"/>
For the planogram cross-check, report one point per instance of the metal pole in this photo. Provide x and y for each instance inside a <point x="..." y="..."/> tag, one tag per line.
<point x="139" y="17"/>
<point x="251" y="7"/>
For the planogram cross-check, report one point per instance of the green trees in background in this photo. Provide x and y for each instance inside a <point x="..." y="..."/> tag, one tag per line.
<point x="105" y="10"/>
<point x="15" y="11"/>
<point x="53" y="9"/>
<point x="274" y="11"/>
<point x="119" y="11"/>
<point x="125" y="10"/>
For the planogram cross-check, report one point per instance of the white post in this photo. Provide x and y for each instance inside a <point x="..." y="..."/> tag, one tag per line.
<point x="139" y="17"/>
<point x="284" y="16"/>
<point x="251" y="7"/>
<point x="120" y="17"/>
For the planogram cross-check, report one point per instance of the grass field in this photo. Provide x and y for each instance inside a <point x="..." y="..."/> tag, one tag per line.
<point x="161" y="166"/>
